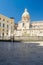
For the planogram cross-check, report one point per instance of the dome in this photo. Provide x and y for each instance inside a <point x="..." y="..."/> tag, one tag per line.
<point x="25" y="14"/>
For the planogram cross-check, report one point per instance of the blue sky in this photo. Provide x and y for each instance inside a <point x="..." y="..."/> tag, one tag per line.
<point x="15" y="8"/>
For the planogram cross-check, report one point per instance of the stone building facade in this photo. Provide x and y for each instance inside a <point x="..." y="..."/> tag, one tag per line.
<point x="6" y="27"/>
<point x="26" y="27"/>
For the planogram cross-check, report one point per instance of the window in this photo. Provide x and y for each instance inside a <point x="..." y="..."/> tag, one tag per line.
<point x="7" y="30"/>
<point x="0" y="34"/>
<point x="3" y="25"/>
<point x="40" y="31"/>
<point x="0" y="24"/>
<point x="23" y="24"/>
<point x="7" y="33"/>
<point x="3" y="19"/>
<point x="11" y="28"/>
<point x="7" y="26"/>
<point x="0" y="18"/>
<point x="11" y="22"/>
<point x="3" y="29"/>
<point x="30" y="26"/>
<point x="7" y="21"/>
<point x="3" y="34"/>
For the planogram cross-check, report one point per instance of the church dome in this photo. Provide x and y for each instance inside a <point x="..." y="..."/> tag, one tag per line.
<point x="26" y="13"/>
<point x="25" y="16"/>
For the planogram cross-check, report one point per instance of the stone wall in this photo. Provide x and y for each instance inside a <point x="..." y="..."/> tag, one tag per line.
<point x="29" y="38"/>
